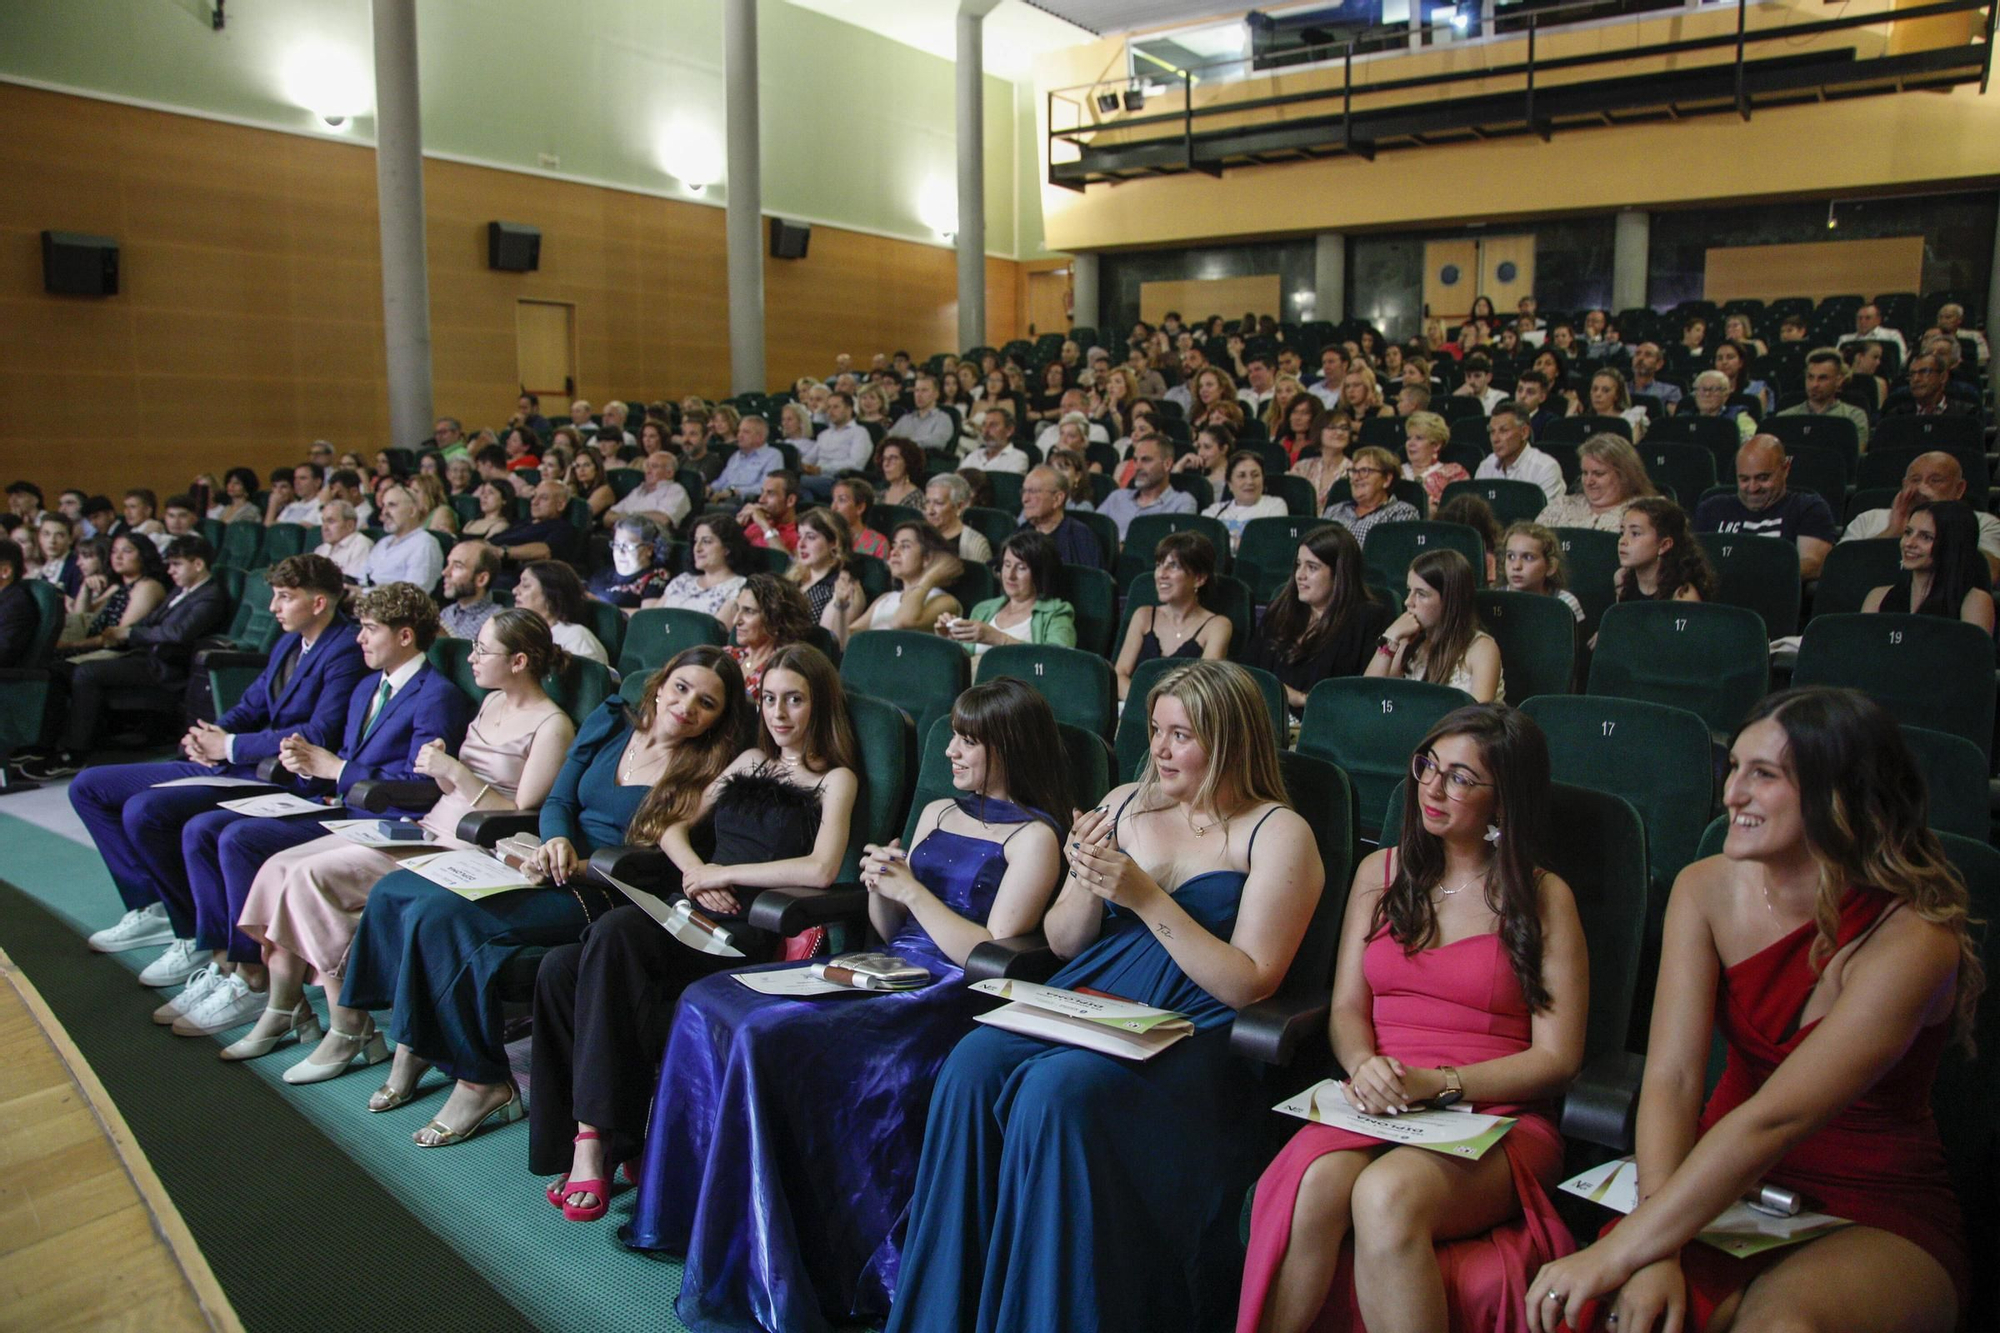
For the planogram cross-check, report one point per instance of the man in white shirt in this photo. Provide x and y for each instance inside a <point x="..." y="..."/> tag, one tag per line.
<point x="304" y="508"/>
<point x="406" y="553"/>
<point x="1933" y="476"/>
<point x="1513" y="457"/>
<point x="996" y="452"/>
<point x="1332" y="375"/>
<point x="1256" y="395"/>
<point x="1951" y="322"/>
<point x="1868" y="328"/>
<point x="844" y="446"/>
<point x="343" y="542"/>
<point x="611" y="432"/>
<point x="1479" y="384"/>
<point x="662" y="500"/>
<point x="345" y="484"/>
<point x="929" y="426"/>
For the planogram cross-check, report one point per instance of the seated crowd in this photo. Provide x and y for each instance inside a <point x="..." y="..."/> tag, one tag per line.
<point x="961" y="1175"/>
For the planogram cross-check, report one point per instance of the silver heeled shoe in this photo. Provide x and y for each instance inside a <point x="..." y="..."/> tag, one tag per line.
<point x="299" y="1021"/>
<point x="367" y="1047"/>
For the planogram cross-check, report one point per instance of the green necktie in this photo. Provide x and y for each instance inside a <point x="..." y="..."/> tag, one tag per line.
<point x="375" y="713"/>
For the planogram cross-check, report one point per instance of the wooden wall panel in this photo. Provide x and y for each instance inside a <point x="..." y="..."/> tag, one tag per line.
<point x="1212" y="296"/>
<point x="1816" y="269"/>
<point x="249" y="319"/>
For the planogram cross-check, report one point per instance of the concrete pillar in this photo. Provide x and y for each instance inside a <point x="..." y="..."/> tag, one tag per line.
<point x="971" y="239"/>
<point x="1628" y="259"/>
<point x="1983" y="319"/>
<point x="1087" y="304"/>
<point x="1330" y="276"/>
<point x="399" y="196"/>
<point x="744" y="226"/>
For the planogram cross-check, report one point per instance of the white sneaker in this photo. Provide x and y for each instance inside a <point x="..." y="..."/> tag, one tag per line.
<point x="200" y="984"/>
<point x="178" y="964"/>
<point x="230" y="1005"/>
<point x="138" y="928"/>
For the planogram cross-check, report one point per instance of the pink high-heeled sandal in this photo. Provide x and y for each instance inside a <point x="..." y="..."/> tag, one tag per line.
<point x="558" y="1193"/>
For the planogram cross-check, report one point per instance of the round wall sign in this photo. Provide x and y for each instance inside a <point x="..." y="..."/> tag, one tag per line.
<point x="1448" y="275"/>
<point x="1506" y="272"/>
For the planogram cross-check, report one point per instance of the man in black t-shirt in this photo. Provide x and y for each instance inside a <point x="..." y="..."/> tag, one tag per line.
<point x="1764" y="507"/>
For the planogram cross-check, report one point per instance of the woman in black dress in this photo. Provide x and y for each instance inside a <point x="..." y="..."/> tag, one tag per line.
<point x="1324" y="623"/>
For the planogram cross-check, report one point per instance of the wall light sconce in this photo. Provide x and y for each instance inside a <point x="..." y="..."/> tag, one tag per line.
<point x="329" y="82"/>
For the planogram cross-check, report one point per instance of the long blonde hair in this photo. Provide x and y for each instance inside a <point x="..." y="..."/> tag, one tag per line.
<point x="1233" y="724"/>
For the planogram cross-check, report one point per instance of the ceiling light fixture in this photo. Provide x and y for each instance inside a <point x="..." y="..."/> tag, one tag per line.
<point x="1135" y="98"/>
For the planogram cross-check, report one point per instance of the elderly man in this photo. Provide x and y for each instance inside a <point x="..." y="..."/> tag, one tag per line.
<point x="1926" y="396"/>
<point x="345" y="484"/>
<point x="1149" y="492"/>
<point x="611" y="432"/>
<point x="469" y="571"/>
<point x="1868" y="327"/>
<point x="1932" y="476"/>
<point x="342" y="541"/>
<point x="407" y="552"/>
<point x="844" y="446"/>
<point x="928" y="426"/>
<point x="743" y="475"/>
<point x="548" y="534"/>
<point x="1072" y="401"/>
<point x="1514" y="457"/>
<point x="581" y="418"/>
<point x="303" y="508"/>
<point x="1826" y="374"/>
<point x="945" y="499"/>
<point x="1951" y="323"/>
<point x="1711" y="399"/>
<point x="1764" y="507"/>
<point x="996" y="451"/>
<point x="1045" y="508"/>
<point x="661" y="500"/>
<point x="1647" y="358"/>
<point x="772" y="519"/>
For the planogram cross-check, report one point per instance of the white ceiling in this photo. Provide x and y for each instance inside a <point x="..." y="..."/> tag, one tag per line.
<point x="1109" y="16"/>
<point x="1016" y="32"/>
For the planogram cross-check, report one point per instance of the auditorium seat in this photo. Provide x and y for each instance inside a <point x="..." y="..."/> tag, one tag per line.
<point x="920" y="671"/>
<point x="1537" y="638"/>
<point x="1590" y="559"/>
<point x="1222" y="594"/>
<point x="284" y="539"/>
<point x="607" y="623"/>
<point x="1927" y="670"/>
<point x="1370" y="727"/>
<point x="1269" y="550"/>
<point x="1806" y="431"/>
<point x="1852" y="570"/>
<point x="1393" y="547"/>
<point x="1760" y="573"/>
<point x="1094" y="599"/>
<point x="1687" y="470"/>
<point x="1146" y="531"/>
<point x="993" y="524"/>
<point x="241" y="541"/>
<point x="1955" y="773"/>
<point x="1710" y="659"/>
<point x="1102" y="528"/>
<point x="1510" y="501"/>
<point x="1079" y="686"/>
<point x="654" y="635"/>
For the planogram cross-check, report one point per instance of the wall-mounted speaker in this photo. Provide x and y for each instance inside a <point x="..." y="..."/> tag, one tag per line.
<point x="74" y="264"/>
<point x="513" y="247"/>
<point x="789" y="239"/>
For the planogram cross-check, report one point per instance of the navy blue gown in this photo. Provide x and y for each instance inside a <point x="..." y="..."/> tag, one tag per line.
<point x="786" y="1132"/>
<point x="1063" y="1189"/>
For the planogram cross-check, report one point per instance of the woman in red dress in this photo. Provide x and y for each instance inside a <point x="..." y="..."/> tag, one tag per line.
<point x="1829" y="941"/>
<point x="1438" y="992"/>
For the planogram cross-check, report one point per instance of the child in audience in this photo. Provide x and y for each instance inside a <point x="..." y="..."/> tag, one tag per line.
<point x="1437" y="638"/>
<point x="1534" y="563"/>
<point x="1658" y="559"/>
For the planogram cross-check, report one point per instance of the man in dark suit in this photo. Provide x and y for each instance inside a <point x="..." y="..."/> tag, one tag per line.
<point x="19" y="617"/>
<point x="161" y="644"/>
<point x="391" y="716"/>
<point x="136" y="824"/>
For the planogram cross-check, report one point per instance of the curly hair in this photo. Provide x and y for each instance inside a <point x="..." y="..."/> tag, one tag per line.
<point x="400" y="606"/>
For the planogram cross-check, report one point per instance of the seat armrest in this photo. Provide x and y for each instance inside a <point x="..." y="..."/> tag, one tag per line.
<point x="379" y="795"/>
<point x="1018" y="958"/>
<point x="25" y="675"/>
<point x="1602" y="1105"/>
<point x="642" y="865"/>
<point x="214" y="659"/>
<point x="1274" y="1031"/>
<point x="485" y="828"/>
<point x="786" y="912"/>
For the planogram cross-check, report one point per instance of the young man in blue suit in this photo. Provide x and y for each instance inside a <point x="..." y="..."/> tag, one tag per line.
<point x="392" y="714"/>
<point x="304" y="689"/>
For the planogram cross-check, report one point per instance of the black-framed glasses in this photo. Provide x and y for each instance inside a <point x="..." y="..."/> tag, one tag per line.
<point x="1458" y="783"/>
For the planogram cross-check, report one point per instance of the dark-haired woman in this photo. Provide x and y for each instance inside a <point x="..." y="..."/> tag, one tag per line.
<point x="1437" y="638"/>
<point x="1324" y="622"/>
<point x="777" y="816"/>
<point x="922" y="563"/>
<point x="769" y="1248"/>
<point x="1478" y="997"/>
<point x="134" y="582"/>
<point x="435" y="958"/>
<point x="1943" y="572"/>
<point x="1177" y="625"/>
<point x="1829" y="944"/>
<point x="721" y="558"/>
<point x="1658" y="558"/>
<point x="552" y="591"/>
<point x="771" y="615"/>
<point x="306" y="901"/>
<point x="238" y="502"/>
<point x="1025" y="612"/>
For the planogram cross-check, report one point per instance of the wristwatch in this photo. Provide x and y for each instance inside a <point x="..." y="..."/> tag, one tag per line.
<point x="1454" y="1089"/>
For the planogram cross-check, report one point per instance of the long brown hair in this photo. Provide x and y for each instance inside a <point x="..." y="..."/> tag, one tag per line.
<point x="1866" y="813"/>
<point x="1450" y="576"/>
<point x="698" y="760"/>
<point x="1289" y="624"/>
<point x="1516" y="754"/>
<point x="829" y="735"/>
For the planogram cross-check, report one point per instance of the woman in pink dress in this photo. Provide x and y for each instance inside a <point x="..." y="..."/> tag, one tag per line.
<point x="305" y="902"/>
<point x="1440" y="996"/>
<point x="1830" y="944"/>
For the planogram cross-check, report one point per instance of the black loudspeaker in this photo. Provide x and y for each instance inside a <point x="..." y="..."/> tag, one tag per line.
<point x="77" y="265"/>
<point x="512" y="247"/>
<point x="789" y="239"/>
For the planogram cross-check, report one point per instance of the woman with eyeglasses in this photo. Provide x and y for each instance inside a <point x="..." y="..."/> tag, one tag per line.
<point x="1441" y="997"/>
<point x="635" y="575"/>
<point x="1371" y="479"/>
<point x="1323" y="460"/>
<point x="1437" y="638"/>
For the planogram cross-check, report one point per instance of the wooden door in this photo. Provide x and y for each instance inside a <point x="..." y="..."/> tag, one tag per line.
<point x="1451" y="278"/>
<point x="545" y="342"/>
<point x="1506" y="271"/>
<point x="1048" y="302"/>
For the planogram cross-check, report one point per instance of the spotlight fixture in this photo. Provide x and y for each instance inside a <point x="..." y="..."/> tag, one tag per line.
<point x="1107" y="103"/>
<point x="1831" y="221"/>
<point x="1135" y="98"/>
<point x="1461" y="20"/>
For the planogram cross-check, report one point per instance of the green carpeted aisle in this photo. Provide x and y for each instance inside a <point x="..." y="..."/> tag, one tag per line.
<point x="312" y="1212"/>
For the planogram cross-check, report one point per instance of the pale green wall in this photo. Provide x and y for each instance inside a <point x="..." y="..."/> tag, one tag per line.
<point x="856" y="128"/>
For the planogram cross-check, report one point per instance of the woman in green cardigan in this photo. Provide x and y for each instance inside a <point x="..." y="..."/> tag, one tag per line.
<point x="1029" y="566"/>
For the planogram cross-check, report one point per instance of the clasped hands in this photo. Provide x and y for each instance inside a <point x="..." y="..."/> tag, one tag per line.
<point x="302" y="757"/>
<point x="1384" y="1085"/>
<point x="886" y="870"/>
<point x="1096" y="863"/>
<point x="206" y="743"/>
<point x="708" y="887"/>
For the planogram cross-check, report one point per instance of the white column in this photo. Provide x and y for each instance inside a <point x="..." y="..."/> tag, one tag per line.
<point x="971" y="238"/>
<point x="744" y="226"/>
<point x="1628" y="259"/>
<point x="399" y="196"/>
<point x="1330" y="276"/>
<point x="1088" y="307"/>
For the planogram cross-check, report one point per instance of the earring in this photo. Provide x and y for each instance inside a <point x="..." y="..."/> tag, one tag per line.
<point x="1493" y="833"/>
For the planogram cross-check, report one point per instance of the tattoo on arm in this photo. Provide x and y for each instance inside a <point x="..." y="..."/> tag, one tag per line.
<point x="1165" y="930"/>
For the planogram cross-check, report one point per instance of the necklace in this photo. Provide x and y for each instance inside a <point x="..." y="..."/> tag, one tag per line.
<point x="1448" y="893"/>
<point x="1200" y="832"/>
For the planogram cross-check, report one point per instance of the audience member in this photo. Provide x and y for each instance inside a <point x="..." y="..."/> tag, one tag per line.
<point x="56" y="561"/>
<point x="345" y="484"/>
<point x="823" y="553"/>
<point x="844" y="446"/>
<point x="1826" y="376"/>
<point x="1658" y="557"/>
<point x="1764" y="507"/>
<point x="1612" y="476"/>
<point x="946" y="499"/>
<point x="1371" y="498"/>
<point x="743" y="475"/>
<point x="1868" y="327"/>
<point x="407" y="553"/>
<point x="719" y="559"/>
<point x="301" y="504"/>
<point x="660" y="500"/>
<point x="1245" y="499"/>
<point x="1438" y="638"/>
<point x="1479" y="384"/>
<point x="1177" y="625"/>
<point x="547" y="535"/>
<point x="129" y="586"/>
<point x="771" y="521"/>
<point x="771" y="615"/>
<point x="342" y="541"/>
<point x="1514" y="456"/>
<point x="902" y="466"/>
<point x="238" y="502"/>
<point x="1425" y="434"/>
<point x="922" y="562"/>
<point x="1027" y="611"/>
<point x="997" y="451"/>
<point x="1930" y="476"/>
<point x="1533" y="563"/>
<point x="1044" y="508"/>
<point x="469" y="571"/>
<point x="1324" y="622"/>
<point x="928" y="426"/>
<point x="1326" y="462"/>
<point x="552" y="591"/>
<point x="1148" y="492"/>
<point x="1647" y="360"/>
<point x="1926" y="395"/>
<point x="1943" y="573"/>
<point x="20" y="616"/>
<point x="852" y="498"/>
<point x="1711" y="399"/>
<point x="635" y="574"/>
